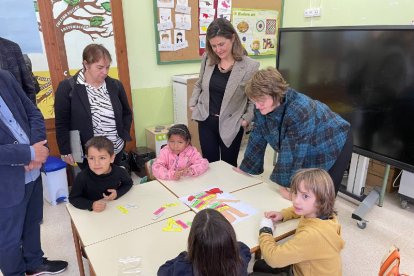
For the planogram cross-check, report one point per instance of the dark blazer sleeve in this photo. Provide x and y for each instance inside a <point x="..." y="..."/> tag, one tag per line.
<point x="63" y="116"/>
<point x="120" y="105"/>
<point x="126" y="113"/>
<point x="12" y="154"/>
<point x="26" y="114"/>
<point x="13" y="61"/>
<point x="37" y="126"/>
<point x="26" y="76"/>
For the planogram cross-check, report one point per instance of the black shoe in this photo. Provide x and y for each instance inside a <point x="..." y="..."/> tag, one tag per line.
<point x="48" y="267"/>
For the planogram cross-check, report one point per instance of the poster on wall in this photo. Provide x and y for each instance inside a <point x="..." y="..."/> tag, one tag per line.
<point x="172" y="26"/>
<point x="257" y="30"/>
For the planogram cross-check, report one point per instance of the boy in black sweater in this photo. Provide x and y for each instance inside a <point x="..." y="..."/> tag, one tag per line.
<point x="102" y="181"/>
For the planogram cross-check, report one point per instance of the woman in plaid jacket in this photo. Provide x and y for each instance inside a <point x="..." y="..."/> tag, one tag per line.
<point x="304" y="132"/>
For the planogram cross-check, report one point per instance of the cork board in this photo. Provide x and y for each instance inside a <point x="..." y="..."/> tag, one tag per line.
<point x="191" y="53"/>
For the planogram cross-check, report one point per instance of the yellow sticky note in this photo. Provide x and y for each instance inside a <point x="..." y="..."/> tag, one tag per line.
<point x="172" y="226"/>
<point x="170" y="205"/>
<point x="122" y="209"/>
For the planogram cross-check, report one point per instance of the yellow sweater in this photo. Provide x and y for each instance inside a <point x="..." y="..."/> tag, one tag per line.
<point x="313" y="250"/>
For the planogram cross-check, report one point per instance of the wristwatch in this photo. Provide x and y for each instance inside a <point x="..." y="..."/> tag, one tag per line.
<point x="266" y="230"/>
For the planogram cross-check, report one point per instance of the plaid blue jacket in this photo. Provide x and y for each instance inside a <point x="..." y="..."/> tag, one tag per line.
<point x="305" y="133"/>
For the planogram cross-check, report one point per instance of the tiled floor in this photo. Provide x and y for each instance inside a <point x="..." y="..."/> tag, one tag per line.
<point x="362" y="254"/>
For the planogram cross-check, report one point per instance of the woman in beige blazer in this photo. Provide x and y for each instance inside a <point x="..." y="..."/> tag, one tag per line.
<point x="218" y="102"/>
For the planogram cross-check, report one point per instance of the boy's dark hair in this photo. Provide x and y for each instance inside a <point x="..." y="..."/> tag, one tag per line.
<point x="100" y="143"/>
<point x="212" y="245"/>
<point x="181" y="130"/>
<point x="320" y="183"/>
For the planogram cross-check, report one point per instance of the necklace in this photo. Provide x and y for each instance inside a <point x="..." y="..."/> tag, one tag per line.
<point x="222" y="70"/>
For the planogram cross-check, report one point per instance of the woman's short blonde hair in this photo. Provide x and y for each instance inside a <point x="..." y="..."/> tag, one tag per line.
<point x="267" y="82"/>
<point x="320" y="183"/>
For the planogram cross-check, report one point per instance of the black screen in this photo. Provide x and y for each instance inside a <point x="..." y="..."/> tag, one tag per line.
<point x="364" y="74"/>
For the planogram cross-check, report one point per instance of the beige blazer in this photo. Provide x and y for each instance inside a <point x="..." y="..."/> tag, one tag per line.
<point x="235" y="106"/>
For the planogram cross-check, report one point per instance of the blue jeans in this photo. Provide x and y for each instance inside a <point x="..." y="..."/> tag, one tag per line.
<point x="20" y="246"/>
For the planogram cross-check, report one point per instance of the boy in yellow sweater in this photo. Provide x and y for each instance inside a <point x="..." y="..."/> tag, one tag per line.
<point x="315" y="248"/>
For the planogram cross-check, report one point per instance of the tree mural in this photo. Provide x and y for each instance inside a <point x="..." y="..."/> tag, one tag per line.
<point x="91" y="18"/>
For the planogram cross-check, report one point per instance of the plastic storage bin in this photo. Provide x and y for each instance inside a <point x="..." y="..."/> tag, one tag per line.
<point x="55" y="182"/>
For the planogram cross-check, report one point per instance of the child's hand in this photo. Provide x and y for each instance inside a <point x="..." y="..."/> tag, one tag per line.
<point x="112" y="194"/>
<point x="98" y="206"/>
<point x="186" y="172"/>
<point x="273" y="215"/>
<point x="177" y="175"/>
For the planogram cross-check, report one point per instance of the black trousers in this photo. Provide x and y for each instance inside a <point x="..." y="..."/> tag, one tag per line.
<point x="342" y="162"/>
<point x="261" y="268"/>
<point x="212" y="146"/>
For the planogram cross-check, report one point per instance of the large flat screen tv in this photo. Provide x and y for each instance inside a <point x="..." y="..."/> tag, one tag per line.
<point x="366" y="74"/>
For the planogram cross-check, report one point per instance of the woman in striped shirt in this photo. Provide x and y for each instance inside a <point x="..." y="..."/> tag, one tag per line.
<point x="92" y="103"/>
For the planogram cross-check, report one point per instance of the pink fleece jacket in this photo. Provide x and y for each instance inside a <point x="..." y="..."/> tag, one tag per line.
<point x="167" y="163"/>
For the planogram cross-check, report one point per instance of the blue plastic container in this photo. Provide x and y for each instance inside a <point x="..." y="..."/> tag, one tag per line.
<point x="55" y="182"/>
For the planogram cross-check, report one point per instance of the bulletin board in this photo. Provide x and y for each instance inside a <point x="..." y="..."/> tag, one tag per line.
<point x="191" y="53"/>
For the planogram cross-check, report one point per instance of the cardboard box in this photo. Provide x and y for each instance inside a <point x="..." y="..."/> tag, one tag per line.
<point x="375" y="177"/>
<point x="156" y="138"/>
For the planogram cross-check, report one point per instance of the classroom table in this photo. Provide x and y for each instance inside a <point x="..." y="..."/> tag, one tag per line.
<point x="111" y="235"/>
<point x="133" y="210"/>
<point x="263" y="197"/>
<point x="220" y="174"/>
<point x="153" y="245"/>
<point x="156" y="246"/>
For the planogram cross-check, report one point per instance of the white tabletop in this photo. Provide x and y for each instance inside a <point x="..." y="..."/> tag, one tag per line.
<point x="94" y="227"/>
<point x="151" y="243"/>
<point x="220" y="174"/>
<point x="263" y="197"/>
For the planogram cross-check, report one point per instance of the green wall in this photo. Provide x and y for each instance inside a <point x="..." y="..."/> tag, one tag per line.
<point x="349" y="12"/>
<point x="151" y="83"/>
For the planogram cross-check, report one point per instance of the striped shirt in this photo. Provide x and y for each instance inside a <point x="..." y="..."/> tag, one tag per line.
<point x="103" y="117"/>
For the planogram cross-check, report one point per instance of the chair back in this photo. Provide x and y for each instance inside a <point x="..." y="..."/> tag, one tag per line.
<point x="390" y="264"/>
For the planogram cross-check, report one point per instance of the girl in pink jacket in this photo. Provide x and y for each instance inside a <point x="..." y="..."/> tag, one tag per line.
<point x="179" y="158"/>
